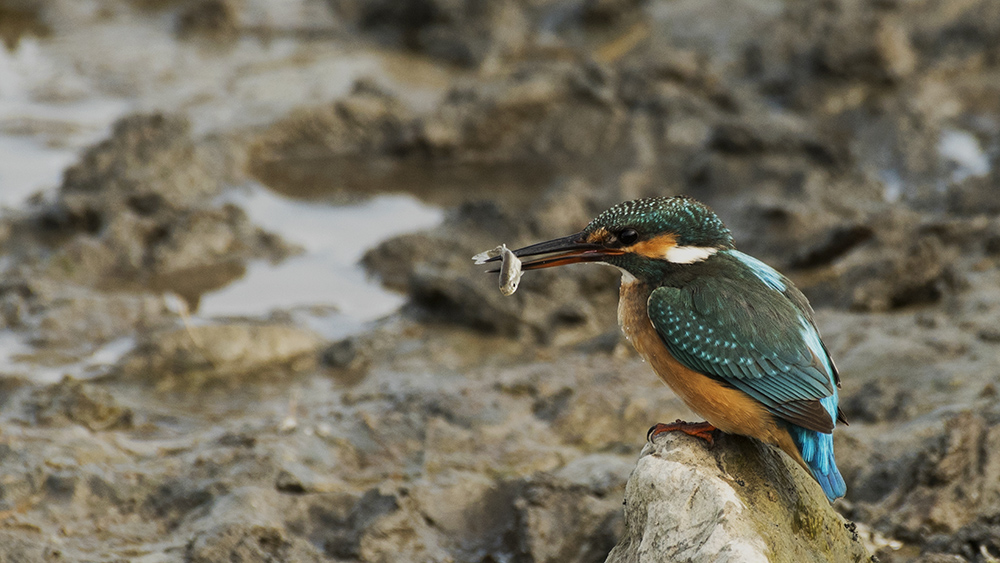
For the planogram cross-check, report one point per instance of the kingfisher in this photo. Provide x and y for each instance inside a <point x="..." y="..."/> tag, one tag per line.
<point x="733" y="337"/>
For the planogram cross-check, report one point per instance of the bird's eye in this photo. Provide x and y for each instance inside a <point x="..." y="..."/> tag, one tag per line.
<point x="628" y="236"/>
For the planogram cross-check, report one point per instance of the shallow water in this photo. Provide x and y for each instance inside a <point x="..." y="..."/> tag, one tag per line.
<point x="324" y="287"/>
<point x="19" y="358"/>
<point x="45" y="120"/>
<point x="962" y="151"/>
<point x="61" y="92"/>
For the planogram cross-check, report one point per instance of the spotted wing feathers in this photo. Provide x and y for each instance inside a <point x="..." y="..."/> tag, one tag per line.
<point x="752" y="337"/>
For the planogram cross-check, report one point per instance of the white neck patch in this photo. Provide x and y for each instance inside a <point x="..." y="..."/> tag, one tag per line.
<point x="688" y="254"/>
<point x="627" y="277"/>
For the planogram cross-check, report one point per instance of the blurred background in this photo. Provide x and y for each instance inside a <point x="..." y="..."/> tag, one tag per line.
<point x="240" y="320"/>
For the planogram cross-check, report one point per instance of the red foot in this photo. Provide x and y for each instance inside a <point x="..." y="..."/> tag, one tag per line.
<point x="702" y="430"/>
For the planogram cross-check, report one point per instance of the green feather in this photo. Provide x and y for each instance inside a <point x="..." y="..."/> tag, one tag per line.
<point x="738" y="328"/>
<point x="692" y="221"/>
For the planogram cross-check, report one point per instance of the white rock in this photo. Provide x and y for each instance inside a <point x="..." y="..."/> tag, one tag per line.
<point x="738" y="501"/>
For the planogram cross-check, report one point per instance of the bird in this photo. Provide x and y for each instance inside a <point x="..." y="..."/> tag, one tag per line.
<point x="733" y="337"/>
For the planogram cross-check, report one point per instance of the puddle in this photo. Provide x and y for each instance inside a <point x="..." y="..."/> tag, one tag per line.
<point x="58" y="96"/>
<point x="29" y="168"/>
<point x="961" y="151"/>
<point x="43" y="126"/>
<point x="19" y="358"/>
<point x="61" y="92"/>
<point x="324" y="288"/>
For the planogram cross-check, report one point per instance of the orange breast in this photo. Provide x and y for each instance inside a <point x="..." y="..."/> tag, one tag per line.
<point x="728" y="409"/>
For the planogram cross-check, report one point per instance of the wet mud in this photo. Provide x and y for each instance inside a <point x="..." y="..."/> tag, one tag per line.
<point x="855" y="146"/>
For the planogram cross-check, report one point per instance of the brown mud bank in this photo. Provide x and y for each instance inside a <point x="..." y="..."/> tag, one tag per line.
<point x="854" y="146"/>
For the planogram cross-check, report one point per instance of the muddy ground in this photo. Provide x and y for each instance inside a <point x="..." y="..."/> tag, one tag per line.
<point x="853" y="145"/>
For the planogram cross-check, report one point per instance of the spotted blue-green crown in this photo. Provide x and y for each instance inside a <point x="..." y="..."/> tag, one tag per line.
<point x="691" y="221"/>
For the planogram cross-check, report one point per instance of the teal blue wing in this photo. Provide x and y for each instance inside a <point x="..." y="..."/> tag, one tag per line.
<point x="750" y="334"/>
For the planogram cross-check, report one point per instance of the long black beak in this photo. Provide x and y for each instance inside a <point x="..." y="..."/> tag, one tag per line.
<point x="558" y="252"/>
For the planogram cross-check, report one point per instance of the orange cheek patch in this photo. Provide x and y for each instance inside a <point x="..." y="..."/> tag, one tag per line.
<point x="656" y="247"/>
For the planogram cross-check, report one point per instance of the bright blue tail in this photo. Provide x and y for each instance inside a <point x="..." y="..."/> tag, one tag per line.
<point x="817" y="451"/>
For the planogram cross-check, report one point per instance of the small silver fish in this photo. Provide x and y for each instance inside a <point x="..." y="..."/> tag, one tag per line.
<point x="510" y="272"/>
<point x="510" y="267"/>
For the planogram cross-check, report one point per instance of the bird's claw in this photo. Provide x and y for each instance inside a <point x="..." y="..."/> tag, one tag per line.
<point x="702" y="430"/>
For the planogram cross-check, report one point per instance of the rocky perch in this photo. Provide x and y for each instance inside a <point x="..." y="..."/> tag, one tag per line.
<point x="738" y="501"/>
